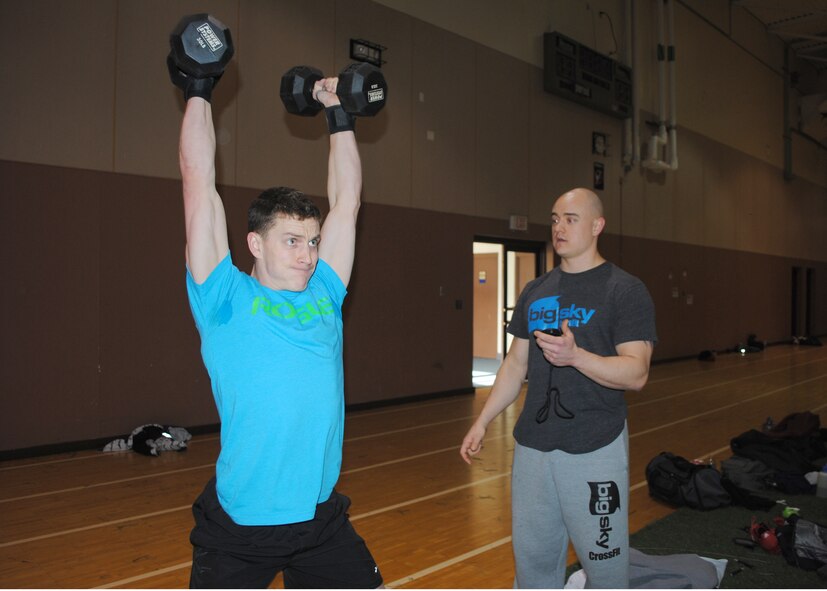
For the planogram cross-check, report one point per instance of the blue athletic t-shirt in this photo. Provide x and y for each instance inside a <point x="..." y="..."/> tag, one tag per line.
<point x="275" y="363"/>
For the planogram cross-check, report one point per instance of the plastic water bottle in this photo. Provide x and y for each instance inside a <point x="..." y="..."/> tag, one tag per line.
<point x="821" y="483"/>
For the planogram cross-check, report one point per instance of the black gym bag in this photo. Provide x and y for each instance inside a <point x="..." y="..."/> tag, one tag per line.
<point x="680" y="483"/>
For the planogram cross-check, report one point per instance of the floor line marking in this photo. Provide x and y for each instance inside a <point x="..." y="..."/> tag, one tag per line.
<point x="727" y="367"/>
<point x="107" y="483"/>
<point x="405" y="429"/>
<point x="95" y="526"/>
<point x="720" y="408"/>
<point x="172" y="510"/>
<point x="447" y="491"/>
<point x="450" y="562"/>
<point x="417" y="456"/>
<point x="636" y="434"/>
<point x="405" y="407"/>
<point x="407" y="579"/>
<point x="687" y="392"/>
<point x="160" y="571"/>
<point x="427" y="497"/>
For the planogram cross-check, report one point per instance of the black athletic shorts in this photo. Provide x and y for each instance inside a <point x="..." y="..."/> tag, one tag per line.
<point x="325" y="552"/>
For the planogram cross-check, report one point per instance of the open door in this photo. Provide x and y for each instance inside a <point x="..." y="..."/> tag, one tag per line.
<point x="502" y="268"/>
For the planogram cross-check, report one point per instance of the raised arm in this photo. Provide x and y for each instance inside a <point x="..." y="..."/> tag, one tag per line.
<point x="206" y="225"/>
<point x="344" y="184"/>
<point x="505" y="391"/>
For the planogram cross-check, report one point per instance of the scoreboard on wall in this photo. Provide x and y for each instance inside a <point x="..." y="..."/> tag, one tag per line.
<point x="580" y="74"/>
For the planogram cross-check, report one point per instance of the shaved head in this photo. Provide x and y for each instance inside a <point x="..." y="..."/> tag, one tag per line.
<point x="585" y="197"/>
<point x="576" y="222"/>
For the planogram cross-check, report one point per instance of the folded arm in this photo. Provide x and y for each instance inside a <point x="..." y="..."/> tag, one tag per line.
<point x="628" y="370"/>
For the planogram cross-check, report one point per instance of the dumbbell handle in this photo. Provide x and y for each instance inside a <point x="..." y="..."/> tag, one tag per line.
<point x="335" y="91"/>
<point x="363" y="91"/>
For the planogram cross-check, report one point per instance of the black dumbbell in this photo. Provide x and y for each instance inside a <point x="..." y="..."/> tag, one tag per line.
<point x="362" y="90"/>
<point x="200" y="48"/>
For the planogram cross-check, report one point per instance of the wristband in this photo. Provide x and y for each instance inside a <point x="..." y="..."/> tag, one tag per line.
<point x="201" y="87"/>
<point x="339" y="120"/>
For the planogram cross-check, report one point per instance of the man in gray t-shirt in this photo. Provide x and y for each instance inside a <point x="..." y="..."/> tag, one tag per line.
<point x="584" y="334"/>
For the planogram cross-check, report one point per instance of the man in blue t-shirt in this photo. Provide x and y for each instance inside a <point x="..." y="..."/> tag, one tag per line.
<point x="272" y="344"/>
<point x="583" y="334"/>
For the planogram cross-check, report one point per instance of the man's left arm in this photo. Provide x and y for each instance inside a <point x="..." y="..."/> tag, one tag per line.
<point x="628" y="370"/>
<point x="344" y="187"/>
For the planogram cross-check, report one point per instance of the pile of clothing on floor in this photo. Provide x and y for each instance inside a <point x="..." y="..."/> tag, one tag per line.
<point x="786" y="457"/>
<point x="151" y="439"/>
<point x="671" y="571"/>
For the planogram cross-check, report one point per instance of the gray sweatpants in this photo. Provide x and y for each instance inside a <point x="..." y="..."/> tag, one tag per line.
<point x="556" y="496"/>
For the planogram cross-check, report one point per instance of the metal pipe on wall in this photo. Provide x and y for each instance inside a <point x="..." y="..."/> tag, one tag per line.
<point x="661" y="137"/>
<point x="629" y="123"/>
<point x="673" y="117"/>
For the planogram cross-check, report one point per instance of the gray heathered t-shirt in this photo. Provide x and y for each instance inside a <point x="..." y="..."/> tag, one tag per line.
<point x="605" y="306"/>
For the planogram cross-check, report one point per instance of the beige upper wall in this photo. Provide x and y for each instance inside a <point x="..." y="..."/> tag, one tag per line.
<point x="729" y="69"/>
<point x="516" y="27"/>
<point x="468" y="128"/>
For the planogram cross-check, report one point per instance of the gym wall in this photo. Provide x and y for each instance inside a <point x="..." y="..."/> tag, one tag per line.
<point x="97" y="335"/>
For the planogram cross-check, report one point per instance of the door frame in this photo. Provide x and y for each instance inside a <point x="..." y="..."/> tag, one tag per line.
<point x="536" y="247"/>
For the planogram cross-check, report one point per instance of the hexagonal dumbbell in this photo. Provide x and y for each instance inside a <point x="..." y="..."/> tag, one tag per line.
<point x="200" y="48"/>
<point x="362" y="90"/>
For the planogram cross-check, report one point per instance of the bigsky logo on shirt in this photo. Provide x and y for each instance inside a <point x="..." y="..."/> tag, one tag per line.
<point x="547" y="313"/>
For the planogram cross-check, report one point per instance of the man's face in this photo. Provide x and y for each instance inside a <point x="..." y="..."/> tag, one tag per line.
<point x="287" y="253"/>
<point x="574" y="226"/>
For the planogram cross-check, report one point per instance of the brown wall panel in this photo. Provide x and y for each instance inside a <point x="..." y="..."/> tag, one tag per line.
<point x="402" y="337"/>
<point x="98" y="337"/>
<point x="50" y="232"/>
<point x="149" y="353"/>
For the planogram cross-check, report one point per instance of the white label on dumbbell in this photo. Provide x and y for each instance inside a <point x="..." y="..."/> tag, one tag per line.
<point x="376" y="95"/>
<point x="210" y="37"/>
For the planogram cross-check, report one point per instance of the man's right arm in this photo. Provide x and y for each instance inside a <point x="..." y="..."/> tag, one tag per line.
<point x="206" y="225"/>
<point x="504" y="392"/>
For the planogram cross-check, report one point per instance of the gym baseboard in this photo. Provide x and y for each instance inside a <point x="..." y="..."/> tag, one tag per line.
<point x="83" y="445"/>
<point x="98" y="443"/>
<point x="408" y="399"/>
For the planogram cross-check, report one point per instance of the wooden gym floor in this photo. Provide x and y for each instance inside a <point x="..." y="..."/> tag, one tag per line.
<point x="89" y="519"/>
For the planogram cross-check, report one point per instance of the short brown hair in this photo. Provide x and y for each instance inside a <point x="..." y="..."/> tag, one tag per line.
<point x="277" y="201"/>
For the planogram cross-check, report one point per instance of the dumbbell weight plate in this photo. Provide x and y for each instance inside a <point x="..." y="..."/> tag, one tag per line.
<point x="296" y="90"/>
<point x="201" y="46"/>
<point x="362" y="89"/>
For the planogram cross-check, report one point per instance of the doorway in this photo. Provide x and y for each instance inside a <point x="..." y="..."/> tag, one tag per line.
<point x="502" y="268"/>
<point x="802" y="301"/>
